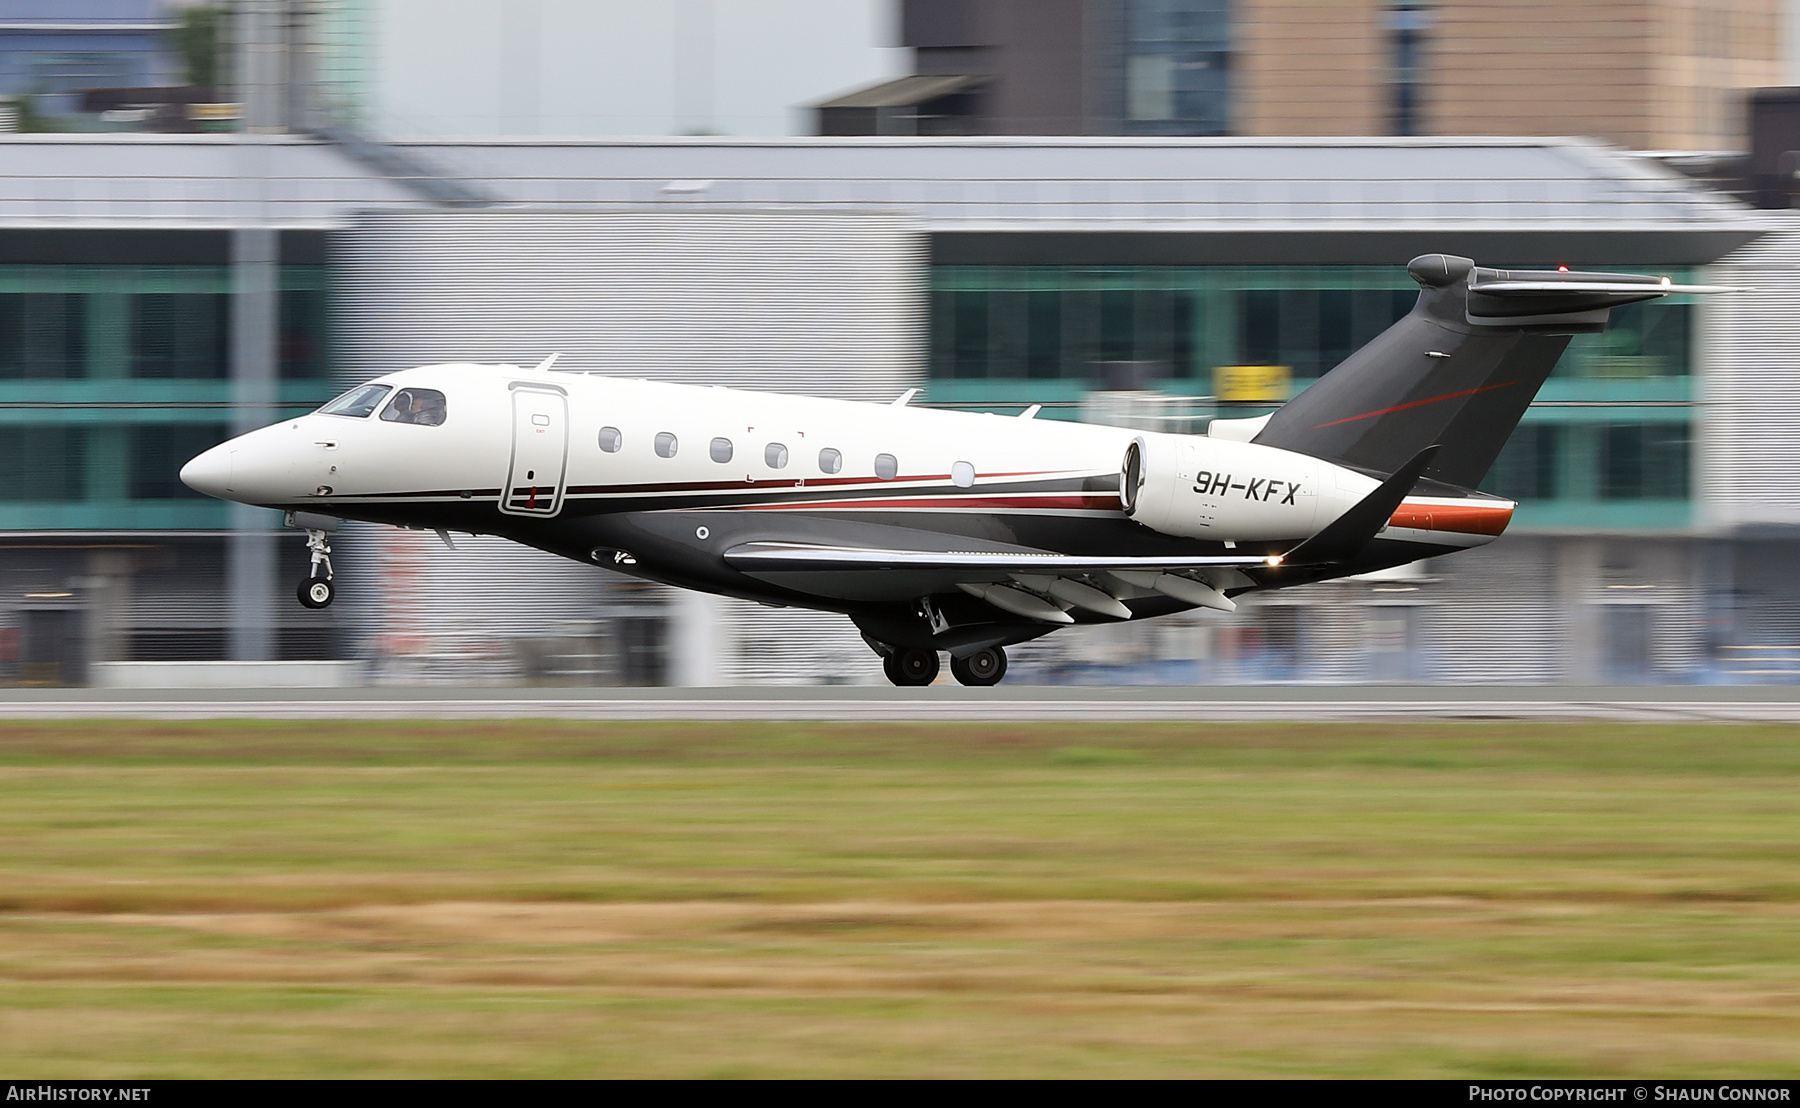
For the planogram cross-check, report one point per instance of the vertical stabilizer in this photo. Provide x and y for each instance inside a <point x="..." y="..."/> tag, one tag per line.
<point x="1457" y="372"/>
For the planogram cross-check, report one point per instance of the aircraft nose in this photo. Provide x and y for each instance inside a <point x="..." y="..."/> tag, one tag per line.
<point x="209" y="472"/>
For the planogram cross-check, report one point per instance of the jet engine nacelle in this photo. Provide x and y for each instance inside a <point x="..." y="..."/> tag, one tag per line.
<point x="1204" y="488"/>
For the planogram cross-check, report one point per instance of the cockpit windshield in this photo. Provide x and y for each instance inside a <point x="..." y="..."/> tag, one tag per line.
<point x="424" y="407"/>
<point x="358" y="402"/>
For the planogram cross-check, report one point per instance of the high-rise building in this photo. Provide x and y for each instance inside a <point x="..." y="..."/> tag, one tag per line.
<point x="1649" y="74"/>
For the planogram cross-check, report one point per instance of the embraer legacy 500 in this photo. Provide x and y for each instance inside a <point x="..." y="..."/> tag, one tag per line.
<point x="942" y="531"/>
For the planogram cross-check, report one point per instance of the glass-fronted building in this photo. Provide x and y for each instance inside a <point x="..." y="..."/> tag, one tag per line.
<point x="1128" y="278"/>
<point x="112" y="376"/>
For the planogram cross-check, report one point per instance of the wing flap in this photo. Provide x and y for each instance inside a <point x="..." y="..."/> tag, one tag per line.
<point x="785" y="557"/>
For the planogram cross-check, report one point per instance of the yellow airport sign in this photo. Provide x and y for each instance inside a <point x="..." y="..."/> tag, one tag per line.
<point x="1252" y="383"/>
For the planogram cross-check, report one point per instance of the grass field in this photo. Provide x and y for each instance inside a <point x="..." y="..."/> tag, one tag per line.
<point x="550" y="899"/>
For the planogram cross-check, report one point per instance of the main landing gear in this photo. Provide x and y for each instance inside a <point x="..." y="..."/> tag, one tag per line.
<point x="982" y="668"/>
<point x="317" y="590"/>
<point x="920" y="667"/>
<point x="911" y="667"/>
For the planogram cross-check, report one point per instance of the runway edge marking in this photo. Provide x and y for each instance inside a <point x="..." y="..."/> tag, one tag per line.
<point x="901" y="709"/>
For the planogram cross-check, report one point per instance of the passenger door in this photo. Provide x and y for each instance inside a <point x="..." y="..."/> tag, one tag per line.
<point x="540" y="451"/>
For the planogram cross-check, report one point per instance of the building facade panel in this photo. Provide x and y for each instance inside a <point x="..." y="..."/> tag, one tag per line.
<point x="784" y="302"/>
<point x="1306" y="67"/>
<point x="1748" y="474"/>
<point x="1668" y="75"/>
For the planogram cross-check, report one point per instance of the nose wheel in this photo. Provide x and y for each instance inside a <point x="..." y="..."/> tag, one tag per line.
<point x="317" y="590"/>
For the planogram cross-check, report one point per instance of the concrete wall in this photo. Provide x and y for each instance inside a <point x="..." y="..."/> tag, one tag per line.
<point x="226" y="675"/>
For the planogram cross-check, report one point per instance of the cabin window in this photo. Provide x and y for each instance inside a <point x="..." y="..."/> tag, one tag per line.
<point x="666" y="445"/>
<point x="611" y="440"/>
<point x="963" y="474"/>
<point x="775" y="456"/>
<point x="886" y="467"/>
<point x="358" y="403"/>
<point x="424" y="407"/>
<point x="830" y="461"/>
<point x="721" y="450"/>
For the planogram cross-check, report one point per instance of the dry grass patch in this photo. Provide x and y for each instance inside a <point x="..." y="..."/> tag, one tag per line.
<point x="502" y="899"/>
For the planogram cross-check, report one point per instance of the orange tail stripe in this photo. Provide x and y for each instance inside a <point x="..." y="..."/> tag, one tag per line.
<point x="1464" y="519"/>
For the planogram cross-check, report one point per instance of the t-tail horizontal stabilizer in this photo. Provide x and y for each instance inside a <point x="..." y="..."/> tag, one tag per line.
<point x="1344" y="537"/>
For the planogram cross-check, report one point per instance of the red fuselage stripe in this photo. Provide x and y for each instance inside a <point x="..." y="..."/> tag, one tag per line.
<point x="927" y="503"/>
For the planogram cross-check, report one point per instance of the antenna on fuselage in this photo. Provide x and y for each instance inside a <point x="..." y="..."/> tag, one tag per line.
<point x="544" y="366"/>
<point x="905" y="398"/>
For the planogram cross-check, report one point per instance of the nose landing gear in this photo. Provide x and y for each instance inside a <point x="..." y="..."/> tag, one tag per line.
<point x="317" y="590"/>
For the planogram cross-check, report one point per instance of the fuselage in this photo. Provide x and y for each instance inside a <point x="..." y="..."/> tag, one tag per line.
<point x="660" y="480"/>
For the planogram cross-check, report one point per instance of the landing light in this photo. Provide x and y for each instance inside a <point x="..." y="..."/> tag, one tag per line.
<point x="1272" y="560"/>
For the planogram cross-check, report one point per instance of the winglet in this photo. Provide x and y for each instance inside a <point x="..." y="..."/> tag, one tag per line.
<point x="1345" y="536"/>
<point x="904" y="398"/>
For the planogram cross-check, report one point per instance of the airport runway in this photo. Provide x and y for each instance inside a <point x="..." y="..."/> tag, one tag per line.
<point x="1202" y="704"/>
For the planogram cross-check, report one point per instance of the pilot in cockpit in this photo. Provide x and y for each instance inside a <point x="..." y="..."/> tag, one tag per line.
<point x="424" y="407"/>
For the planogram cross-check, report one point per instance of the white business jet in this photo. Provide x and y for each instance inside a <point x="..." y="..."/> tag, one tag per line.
<point x="940" y="531"/>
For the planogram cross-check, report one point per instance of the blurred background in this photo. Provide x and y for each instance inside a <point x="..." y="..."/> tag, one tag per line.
<point x="1140" y="212"/>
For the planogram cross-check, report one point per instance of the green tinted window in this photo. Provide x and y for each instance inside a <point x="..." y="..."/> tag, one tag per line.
<point x="43" y="463"/>
<point x="1058" y="322"/>
<point x="1644" y="461"/>
<point x="158" y="451"/>
<point x="42" y="334"/>
<point x="175" y="334"/>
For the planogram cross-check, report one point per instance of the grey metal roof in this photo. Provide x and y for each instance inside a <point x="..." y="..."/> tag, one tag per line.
<point x="999" y="192"/>
<point x="183" y="182"/>
<point x="1086" y="180"/>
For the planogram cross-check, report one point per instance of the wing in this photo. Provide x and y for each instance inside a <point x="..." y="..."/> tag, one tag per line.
<point x="1037" y="584"/>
